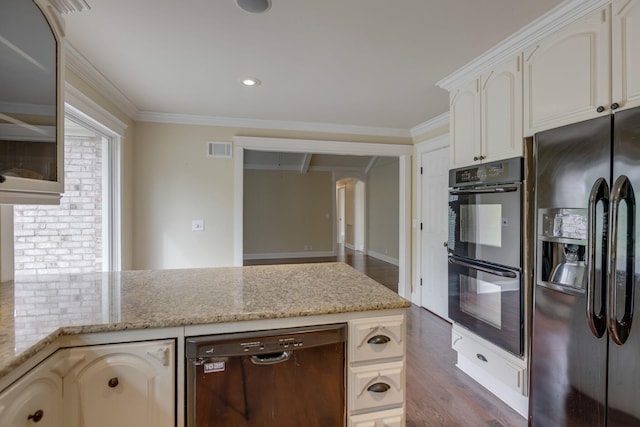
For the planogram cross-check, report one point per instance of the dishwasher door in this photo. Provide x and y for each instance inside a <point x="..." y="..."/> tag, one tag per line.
<point x="278" y="378"/>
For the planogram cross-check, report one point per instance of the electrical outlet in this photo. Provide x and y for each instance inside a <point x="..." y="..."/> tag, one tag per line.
<point x="197" y="225"/>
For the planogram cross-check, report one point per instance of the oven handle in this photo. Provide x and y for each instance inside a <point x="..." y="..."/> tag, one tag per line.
<point x="485" y="269"/>
<point x="484" y="191"/>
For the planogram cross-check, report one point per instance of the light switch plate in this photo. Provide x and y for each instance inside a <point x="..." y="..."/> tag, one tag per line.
<point x="197" y="225"/>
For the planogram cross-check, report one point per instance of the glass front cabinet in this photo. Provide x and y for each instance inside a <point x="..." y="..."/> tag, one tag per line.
<point x="31" y="103"/>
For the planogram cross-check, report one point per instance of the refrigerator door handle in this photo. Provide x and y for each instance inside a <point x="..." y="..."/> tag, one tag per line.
<point x="597" y="321"/>
<point x="620" y="329"/>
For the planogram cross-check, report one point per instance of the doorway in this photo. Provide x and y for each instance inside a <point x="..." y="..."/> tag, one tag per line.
<point x="351" y="213"/>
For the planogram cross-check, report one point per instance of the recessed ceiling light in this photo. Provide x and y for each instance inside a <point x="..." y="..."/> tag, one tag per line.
<point x="254" y="6"/>
<point x="250" y="81"/>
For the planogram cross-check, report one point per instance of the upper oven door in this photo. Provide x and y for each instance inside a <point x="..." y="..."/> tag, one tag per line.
<point x="485" y="223"/>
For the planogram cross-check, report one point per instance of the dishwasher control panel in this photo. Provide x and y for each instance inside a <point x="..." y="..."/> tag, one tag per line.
<point x="263" y="342"/>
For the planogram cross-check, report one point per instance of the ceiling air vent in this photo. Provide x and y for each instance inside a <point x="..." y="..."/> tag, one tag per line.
<point x="218" y="149"/>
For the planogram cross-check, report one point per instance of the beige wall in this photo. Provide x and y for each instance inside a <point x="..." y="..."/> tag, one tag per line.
<point x="286" y="212"/>
<point x="382" y="208"/>
<point x="174" y="182"/>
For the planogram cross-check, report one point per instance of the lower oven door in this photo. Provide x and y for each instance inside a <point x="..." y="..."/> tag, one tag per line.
<point x="302" y="385"/>
<point x="487" y="300"/>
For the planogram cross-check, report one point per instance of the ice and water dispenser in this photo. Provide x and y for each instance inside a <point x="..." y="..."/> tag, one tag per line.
<point x="562" y="244"/>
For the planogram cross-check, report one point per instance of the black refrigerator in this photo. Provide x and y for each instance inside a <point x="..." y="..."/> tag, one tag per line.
<point x="585" y="351"/>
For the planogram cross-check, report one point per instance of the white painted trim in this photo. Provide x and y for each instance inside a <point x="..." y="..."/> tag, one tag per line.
<point x="432" y="144"/>
<point x="404" y="152"/>
<point x="564" y="14"/>
<point x="404" y="235"/>
<point x="382" y="257"/>
<point x="279" y="255"/>
<point x="321" y="147"/>
<point x="431" y="125"/>
<point x="88" y="107"/>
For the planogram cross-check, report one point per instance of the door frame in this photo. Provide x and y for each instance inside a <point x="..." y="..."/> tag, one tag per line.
<point x="437" y="143"/>
<point x="403" y="152"/>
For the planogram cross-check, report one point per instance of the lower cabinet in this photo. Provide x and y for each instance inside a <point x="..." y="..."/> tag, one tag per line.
<point x="124" y="385"/>
<point x="376" y="372"/>
<point x="36" y="399"/>
<point x="391" y="418"/>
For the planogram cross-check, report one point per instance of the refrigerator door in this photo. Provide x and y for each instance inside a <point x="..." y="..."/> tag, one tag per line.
<point x="568" y="364"/>
<point x="624" y="360"/>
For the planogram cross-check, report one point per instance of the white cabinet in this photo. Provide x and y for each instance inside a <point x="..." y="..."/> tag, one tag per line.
<point x="392" y="418"/>
<point x="486" y="116"/>
<point x="376" y="373"/>
<point x="121" y="385"/>
<point x="589" y="68"/>
<point x="32" y="104"/>
<point x="36" y="399"/>
<point x="500" y="372"/>
<point x="625" y="55"/>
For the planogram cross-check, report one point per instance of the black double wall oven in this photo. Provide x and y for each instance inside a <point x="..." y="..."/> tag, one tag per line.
<point x="485" y="255"/>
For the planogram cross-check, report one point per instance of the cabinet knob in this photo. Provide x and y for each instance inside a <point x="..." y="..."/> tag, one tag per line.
<point x="600" y="109"/>
<point x="481" y="357"/>
<point x="445" y="244"/>
<point x="36" y="416"/>
<point x="476" y="158"/>
<point x="615" y="106"/>
<point x="2" y="179"/>
<point x="113" y="382"/>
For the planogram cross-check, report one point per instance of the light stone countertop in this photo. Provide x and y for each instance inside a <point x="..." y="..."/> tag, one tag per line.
<point x="35" y="311"/>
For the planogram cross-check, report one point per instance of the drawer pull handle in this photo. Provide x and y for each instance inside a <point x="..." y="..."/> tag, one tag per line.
<point x="379" y="339"/>
<point x="379" y="387"/>
<point x="481" y="357"/>
<point x="113" y="382"/>
<point x="36" y="416"/>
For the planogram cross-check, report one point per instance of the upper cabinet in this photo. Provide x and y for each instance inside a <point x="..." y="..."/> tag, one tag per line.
<point x="486" y="116"/>
<point x="588" y="69"/>
<point x="31" y="102"/>
<point x="625" y="54"/>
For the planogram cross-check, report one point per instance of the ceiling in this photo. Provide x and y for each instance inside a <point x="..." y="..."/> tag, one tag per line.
<point x="366" y="64"/>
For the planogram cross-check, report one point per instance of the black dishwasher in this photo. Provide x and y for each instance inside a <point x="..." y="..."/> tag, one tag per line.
<point x="284" y="377"/>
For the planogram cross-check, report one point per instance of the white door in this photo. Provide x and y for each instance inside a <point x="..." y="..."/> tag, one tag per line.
<point x="433" y="214"/>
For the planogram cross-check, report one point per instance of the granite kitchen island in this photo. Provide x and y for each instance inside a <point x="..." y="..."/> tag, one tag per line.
<point x="62" y="323"/>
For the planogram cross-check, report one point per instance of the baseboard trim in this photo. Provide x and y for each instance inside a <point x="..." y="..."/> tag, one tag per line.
<point x="278" y="255"/>
<point x="384" y="258"/>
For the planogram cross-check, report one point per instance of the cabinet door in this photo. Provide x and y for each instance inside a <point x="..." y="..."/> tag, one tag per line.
<point x="390" y="418"/>
<point x="122" y="385"/>
<point x="35" y="399"/>
<point x="501" y="111"/>
<point x="465" y="124"/>
<point x="625" y="23"/>
<point x="567" y="75"/>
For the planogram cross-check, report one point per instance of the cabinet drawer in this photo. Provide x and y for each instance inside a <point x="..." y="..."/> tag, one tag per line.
<point x="488" y="360"/>
<point x="376" y="386"/>
<point x="377" y="338"/>
<point x="391" y="418"/>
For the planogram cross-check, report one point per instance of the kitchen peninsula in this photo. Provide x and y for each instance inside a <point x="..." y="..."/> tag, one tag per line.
<point x="69" y="323"/>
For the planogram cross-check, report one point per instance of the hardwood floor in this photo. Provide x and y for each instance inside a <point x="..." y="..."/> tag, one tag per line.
<point x="438" y="393"/>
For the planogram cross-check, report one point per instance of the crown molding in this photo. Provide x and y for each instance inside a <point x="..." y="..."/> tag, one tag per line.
<point x="81" y="66"/>
<point x="271" y="124"/>
<point x="431" y="125"/>
<point x="565" y="13"/>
